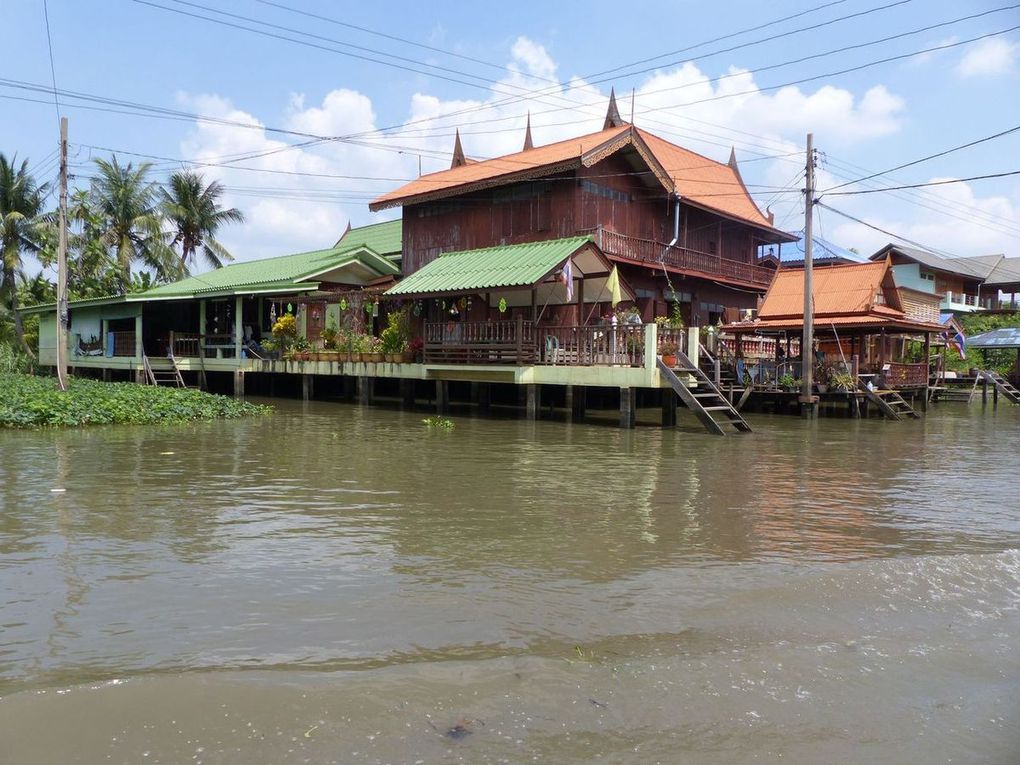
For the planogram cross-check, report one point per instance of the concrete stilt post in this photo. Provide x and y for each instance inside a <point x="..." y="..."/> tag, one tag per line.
<point x="534" y="401"/>
<point x="668" y="408"/>
<point x="407" y="393"/>
<point x="365" y="385"/>
<point x="442" y="396"/>
<point x="238" y="383"/>
<point x="484" y="396"/>
<point x="307" y="387"/>
<point x="627" y="408"/>
<point x="578" y="401"/>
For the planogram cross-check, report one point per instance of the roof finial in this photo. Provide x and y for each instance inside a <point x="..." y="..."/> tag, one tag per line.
<point x="458" y="153"/>
<point x="348" y="229"/>
<point x="613" y="118"/>
<point x="733" y="158"/>
<point x="528" y="144"/>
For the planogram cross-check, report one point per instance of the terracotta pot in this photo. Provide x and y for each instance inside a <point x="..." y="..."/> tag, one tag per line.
<point x="389" y="357"/>
<point x="669" y="361"/>
<point x="377" y="357"/>
<point x="403" y="358"/>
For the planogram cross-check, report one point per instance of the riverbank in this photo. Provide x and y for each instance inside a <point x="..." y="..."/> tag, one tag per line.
<point x="27" y="402"/>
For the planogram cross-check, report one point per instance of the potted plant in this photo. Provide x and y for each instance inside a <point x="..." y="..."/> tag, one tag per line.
<point x="668" y="348"/>
<point x="416" y="350"/>
<point x="843" y="381"/>
<point x="285" y="332"/>
<point x="330" y="335"/>
<point x="786" y="382"/>
<point x="302" y="349"/>
<point x="375" y="350"/>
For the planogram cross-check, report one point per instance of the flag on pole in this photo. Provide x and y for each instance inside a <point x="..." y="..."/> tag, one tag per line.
<point x="567" y="277"/>
<point x="958" y="341"/>
<point x="613" y="285"/>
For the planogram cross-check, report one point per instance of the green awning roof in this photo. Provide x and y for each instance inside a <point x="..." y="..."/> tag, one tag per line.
<point x="515" y="265"/>
<point x="384" y="238"/>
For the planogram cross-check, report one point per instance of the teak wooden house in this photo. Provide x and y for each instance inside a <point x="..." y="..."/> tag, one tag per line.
<point x="681" y="227"/>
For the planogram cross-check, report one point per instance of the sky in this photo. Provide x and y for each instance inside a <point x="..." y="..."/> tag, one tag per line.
<point x="306" y="109"/>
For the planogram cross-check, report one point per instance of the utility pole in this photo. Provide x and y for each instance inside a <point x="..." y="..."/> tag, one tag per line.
<point x="808" y="406"/>
<point x="62" y="264"/>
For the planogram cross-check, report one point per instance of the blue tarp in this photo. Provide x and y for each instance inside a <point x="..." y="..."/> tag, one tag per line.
<point x="823" y="251"/>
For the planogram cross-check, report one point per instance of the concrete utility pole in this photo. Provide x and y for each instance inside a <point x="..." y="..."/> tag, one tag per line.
<point x="807" y="356"/>
<point x="62" y="264"/>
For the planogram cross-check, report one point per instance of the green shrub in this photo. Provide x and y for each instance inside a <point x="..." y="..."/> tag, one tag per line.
<point x="35" y="401"/>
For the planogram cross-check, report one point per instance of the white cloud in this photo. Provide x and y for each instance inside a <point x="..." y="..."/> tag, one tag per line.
<point x="992" y="56"/>
<point x="288" y="213"/>
<point x="951" y="218"/>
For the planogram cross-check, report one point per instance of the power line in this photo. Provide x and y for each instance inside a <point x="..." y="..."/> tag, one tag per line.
<point x="886" y="232"/>
<point x="921" y="185"/>
<point x="925" y="159"/>
<point x="53" y="70"/>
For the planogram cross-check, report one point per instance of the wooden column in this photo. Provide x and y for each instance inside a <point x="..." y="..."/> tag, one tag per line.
<point x="927" y="370"/>
<point x="139" y="350"/>
<point x="534" y="402"/>
<point x="238" y="326"/>
<point x="238" y="383"/>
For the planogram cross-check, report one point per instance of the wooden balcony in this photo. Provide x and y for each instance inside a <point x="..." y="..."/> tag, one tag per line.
<point x="650" y="252"/>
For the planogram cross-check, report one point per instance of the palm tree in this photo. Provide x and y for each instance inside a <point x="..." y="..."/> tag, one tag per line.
<point x="195" y="216"/>
<point x="21" y="200"/>
<point x="131" y="221"/>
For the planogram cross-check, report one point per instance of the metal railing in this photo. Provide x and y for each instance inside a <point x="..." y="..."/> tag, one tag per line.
<point x="682" y="258"/>
<point x="593" y="345"/>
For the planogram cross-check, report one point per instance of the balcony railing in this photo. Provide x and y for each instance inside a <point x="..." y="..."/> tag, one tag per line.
<point x="962" y="298"/>
<point x="521" y="342"/>
<point x="681" y="258"/>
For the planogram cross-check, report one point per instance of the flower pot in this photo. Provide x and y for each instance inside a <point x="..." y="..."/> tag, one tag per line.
<point x="403" y="358"/>
<point x="389" y="357"/>
<point x="377" y="357"/>
<point x="669" y="360"/>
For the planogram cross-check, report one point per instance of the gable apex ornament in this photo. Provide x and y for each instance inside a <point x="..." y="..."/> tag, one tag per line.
<point x="459" y="159"/>
<point x="528" y="143"/>
<point x="613" y="118"/>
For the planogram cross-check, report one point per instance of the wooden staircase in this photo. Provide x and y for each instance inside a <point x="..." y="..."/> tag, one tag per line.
<point x="164" y="372"/>
<point x="707" y="402"/>
<point x="889" y="402"/>
<point x="1002" y="385"/>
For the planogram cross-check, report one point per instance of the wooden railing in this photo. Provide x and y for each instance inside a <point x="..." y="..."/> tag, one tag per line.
<point x="906" y="375"/>
<point x="189" y="345"/>
<point x="520" y="342"/>
<point x="684" y="259"/>
<point x="123" y="343"/>
<point x="480" y="342"/>
<point x="598" y="345"/>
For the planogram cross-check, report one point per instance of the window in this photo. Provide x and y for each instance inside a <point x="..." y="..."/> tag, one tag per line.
<point x="604" y="191"/>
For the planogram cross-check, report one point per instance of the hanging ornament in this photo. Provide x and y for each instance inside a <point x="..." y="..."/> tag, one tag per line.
<point x="502" y="305"/>
<point x="343" y="304"/>
<point x="290" y="308"/>
<point x="272" y="314"/>
<point x="416" y="308"/>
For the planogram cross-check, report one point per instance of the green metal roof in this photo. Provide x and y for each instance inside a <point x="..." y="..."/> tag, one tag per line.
<point x="271" y="273"/>
<point x="515" y="265"/>
<point x="384" y="238"/>
<point x="286" y="273"/>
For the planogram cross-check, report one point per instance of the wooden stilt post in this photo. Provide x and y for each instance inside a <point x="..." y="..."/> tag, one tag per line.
<point x="442" y="396"/>
<point x="627" y="413"/>
<point x="668" y="407"/>
<point x="579" y="402"/>
<point x="307" y="387"/>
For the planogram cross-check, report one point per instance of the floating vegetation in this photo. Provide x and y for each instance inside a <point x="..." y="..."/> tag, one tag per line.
<point x="438" y="422"/>
<point x="28" y="402"/>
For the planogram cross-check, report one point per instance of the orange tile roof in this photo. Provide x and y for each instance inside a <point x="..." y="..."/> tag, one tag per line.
<point x="703" y="181"/>
<point x="697" y="179"/>
<point x="848" y="289"/>
<point x="508" y="166"/>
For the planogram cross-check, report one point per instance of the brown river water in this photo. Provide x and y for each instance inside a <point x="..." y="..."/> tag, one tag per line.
<point x="342" y="585"/>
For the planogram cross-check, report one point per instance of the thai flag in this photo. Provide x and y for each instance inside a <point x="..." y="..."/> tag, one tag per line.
<point x="958" y="341"/>
<point x="567" y="277"/>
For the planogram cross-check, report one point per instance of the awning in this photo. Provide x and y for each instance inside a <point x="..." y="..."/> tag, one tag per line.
<point x="516" y="266"/>
<point x="1007" y="337"/>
